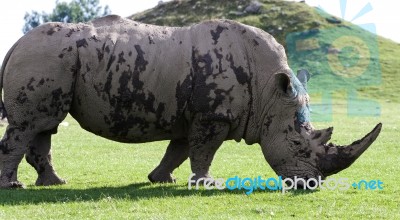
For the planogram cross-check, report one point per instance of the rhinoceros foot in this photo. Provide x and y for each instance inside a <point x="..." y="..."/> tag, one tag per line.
<point x="157" y="176"/>
<point x="12" y="185"/>
<point x="49" y="180"/>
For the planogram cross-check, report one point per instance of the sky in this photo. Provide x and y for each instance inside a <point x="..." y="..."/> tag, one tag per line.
<point x="382" y="13"/>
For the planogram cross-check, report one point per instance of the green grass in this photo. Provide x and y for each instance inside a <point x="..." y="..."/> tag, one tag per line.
<point x="109" y="180"/>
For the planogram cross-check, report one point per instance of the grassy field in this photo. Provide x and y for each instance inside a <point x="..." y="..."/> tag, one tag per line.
<point x="108" y="180"/>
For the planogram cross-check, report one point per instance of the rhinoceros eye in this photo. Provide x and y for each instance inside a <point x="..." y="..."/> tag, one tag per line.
<point x="296" y="143"/>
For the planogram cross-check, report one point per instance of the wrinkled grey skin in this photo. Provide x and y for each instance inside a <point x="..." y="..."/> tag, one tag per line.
<point x="130" y="82"/>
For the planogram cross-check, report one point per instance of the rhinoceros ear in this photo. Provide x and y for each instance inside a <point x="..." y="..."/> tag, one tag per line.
<point x="283" y="83"/>
<point x="303" y="76"/>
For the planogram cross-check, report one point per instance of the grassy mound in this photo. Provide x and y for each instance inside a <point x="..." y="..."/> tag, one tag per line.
<point x="345" y="60"/>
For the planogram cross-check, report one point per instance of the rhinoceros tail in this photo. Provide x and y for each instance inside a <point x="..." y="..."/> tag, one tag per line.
<point x="3" y="112"/>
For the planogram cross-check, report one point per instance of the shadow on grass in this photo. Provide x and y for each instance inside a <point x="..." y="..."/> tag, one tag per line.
<point x="136" y="191"/>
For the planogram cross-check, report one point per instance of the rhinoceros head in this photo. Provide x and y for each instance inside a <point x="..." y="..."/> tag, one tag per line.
<point x="291" y="145"/>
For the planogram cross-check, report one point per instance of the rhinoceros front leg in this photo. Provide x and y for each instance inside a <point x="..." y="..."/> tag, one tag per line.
<point x="177" y="152"/>
<point x="205" y="137"/>
<point x="39" y="156"/>
<point x="12" y="149"/>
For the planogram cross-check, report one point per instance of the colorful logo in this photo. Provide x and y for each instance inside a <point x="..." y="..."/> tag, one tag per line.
<point x="344" y="58"/>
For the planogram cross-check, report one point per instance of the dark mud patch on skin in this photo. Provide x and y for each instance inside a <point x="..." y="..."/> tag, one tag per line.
<point x="215" y="34"/>
<point x="206" y="96"/>
<point x="183" y="93"/>
<point x="120" y="60"/>
<point x="151" y="40"/>
<point x="100" y="54"/>
<point x="53" y="30"/>
<point x="64" y="51"/>
<point x="219" y="66"/>
<point x="132" y="95"/>
<point x="268" y="122"/>
<point x="108" y="84"/>
<point x="110" y="62"/>
<point x="241" y="76"/>
<point x="60" y="102"/>
<point x="71" y="31"/>
<point x="255" y="42"/>
<point x="41" y="83"/>
<point x="22" y="97"/>
<point x="81" y="43"/>
<point x="94" y="38"/>
<point x="220" y="96"/>
<point x="201" y="70"/>
<point x="30" y="86"/>
<point x="107" y="49"/>
<point x="140" y="62"/>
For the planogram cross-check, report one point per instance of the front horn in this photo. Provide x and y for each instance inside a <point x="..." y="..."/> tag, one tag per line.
<point x="337" y="158"/>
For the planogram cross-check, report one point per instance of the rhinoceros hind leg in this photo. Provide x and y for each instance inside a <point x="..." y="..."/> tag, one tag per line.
<point x="205" y="137"/>
<point x="12" y="149"/>
<point x="39" y="157"/>
<point x="177" y="152"/>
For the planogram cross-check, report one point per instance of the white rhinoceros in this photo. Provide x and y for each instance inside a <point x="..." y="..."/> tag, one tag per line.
<point x="131" y="82"/>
